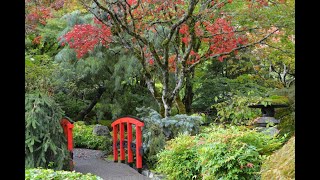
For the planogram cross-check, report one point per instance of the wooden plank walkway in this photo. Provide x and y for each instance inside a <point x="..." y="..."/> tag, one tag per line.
<point x="91" y="161"/>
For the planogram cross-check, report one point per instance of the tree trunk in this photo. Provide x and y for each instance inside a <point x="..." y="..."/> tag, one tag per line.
<point x="180" y="106"/>
<point x="95" y="100"/>
<point x="167" y="108"/>
<point x="188" y="96"/>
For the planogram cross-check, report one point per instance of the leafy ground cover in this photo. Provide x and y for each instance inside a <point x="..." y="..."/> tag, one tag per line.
<point x="48" y="174"/>
<point x="84" y="138"/>
<point x="217" y="153"/>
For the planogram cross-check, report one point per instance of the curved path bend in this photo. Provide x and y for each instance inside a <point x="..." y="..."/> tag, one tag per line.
<point x="92" y="161"/>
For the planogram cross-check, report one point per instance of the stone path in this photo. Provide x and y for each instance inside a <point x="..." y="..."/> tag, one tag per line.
<point x="92" y="161"/>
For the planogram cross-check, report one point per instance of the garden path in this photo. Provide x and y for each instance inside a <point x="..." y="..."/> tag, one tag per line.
<point x="92" y="161"/>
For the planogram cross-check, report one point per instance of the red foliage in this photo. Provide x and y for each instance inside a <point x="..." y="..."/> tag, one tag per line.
<point x="39" y="15"/>
<point x="151" y="61"/>
<point x="132" y="2"/>
<point x="223" y="37"/>
<point x="58" y="4"/>
<point x="194" y="57"/>
<point x="250" y="165"/>
<point x="214" y="29"/>
<point x="41" y="11"/>
<point x="172" y="62"/>
<point x="37" y="40"/>
<point x="184" y="29"/>
<point x="84" y="37"/>
<point x="185" y="40"/>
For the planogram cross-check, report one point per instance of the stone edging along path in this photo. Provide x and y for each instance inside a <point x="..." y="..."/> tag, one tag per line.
<point x="92" y="161"/>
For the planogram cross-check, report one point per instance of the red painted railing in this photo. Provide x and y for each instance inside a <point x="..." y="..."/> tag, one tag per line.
<point x="67" y="130"/>
<point x="115" y="126"/>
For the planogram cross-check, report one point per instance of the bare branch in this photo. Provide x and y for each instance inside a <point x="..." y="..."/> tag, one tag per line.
<point x="160" y="22"/>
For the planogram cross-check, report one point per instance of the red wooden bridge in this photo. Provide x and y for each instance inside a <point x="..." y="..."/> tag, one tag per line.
<point x="92" y="161"/>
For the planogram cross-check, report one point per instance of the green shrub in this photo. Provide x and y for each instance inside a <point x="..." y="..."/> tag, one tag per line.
<point x="84" y="138"/>
<point x="287" y="115"/>
<point x="264" y="143"/>
<point x="157" y="130"/>
<point x="217" y="153"/>
<point x="44" y="138"/>
<point x="236" y="110"/>
<point x="179" y="158"/>
<point x="154" y="141"/>
<point x="48" y="174"/>
<point x="229" y="160"/>
<point x="173" y="125"/>
<point x="281" y="164"/>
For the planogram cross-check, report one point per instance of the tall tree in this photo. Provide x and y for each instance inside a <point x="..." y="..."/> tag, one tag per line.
<point x="169" y="38"/>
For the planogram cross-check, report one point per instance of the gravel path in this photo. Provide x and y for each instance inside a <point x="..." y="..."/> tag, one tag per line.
<point x="91" y="161"/>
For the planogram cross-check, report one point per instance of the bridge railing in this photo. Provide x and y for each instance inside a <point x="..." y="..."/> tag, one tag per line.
<point x="119" y="125"/>
<point x="67" y="126"/>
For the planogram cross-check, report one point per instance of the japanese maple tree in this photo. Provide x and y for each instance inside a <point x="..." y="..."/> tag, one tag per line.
<point x="38" y="12"/>
<point x="169" y="38"/>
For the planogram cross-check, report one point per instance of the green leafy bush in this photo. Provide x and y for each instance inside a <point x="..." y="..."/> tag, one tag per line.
<point x="171" y="126"/>
<point x="154" y="141"/>
<point x="233" y="160"/>
<point x="179" y="159"/>
<point x="217" y="153"/>
<point x="157" y="130"/>
<point x="264" y="143"/>
<point x="38" y="69"/>
<point x="287" y="115"/>
<point x="209" y="86"/>
<point x="44" y="138"/>
<point x="48" y="174"/>
<point x="84" y="138"/>
<point x="236" y="110"/>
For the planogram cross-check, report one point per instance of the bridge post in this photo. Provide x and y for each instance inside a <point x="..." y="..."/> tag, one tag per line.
<point x="138" y="147"/>
<point x="122" y="154"/>
<point x="67" y="130"/>
<point x="129" y="140"/>
<point x="115" y="139"/>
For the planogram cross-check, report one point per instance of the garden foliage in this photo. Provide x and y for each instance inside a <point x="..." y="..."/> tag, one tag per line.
<point x="287" y="115"/>
<point x="84" y="138"/>
<point x="46" y="174"/>
<point x="157" y="130"/>
<point x="217" y="153"/>
<point x="236" y="110"/>
<point x="44" y="138"/>
<point x="281" y="164"/>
